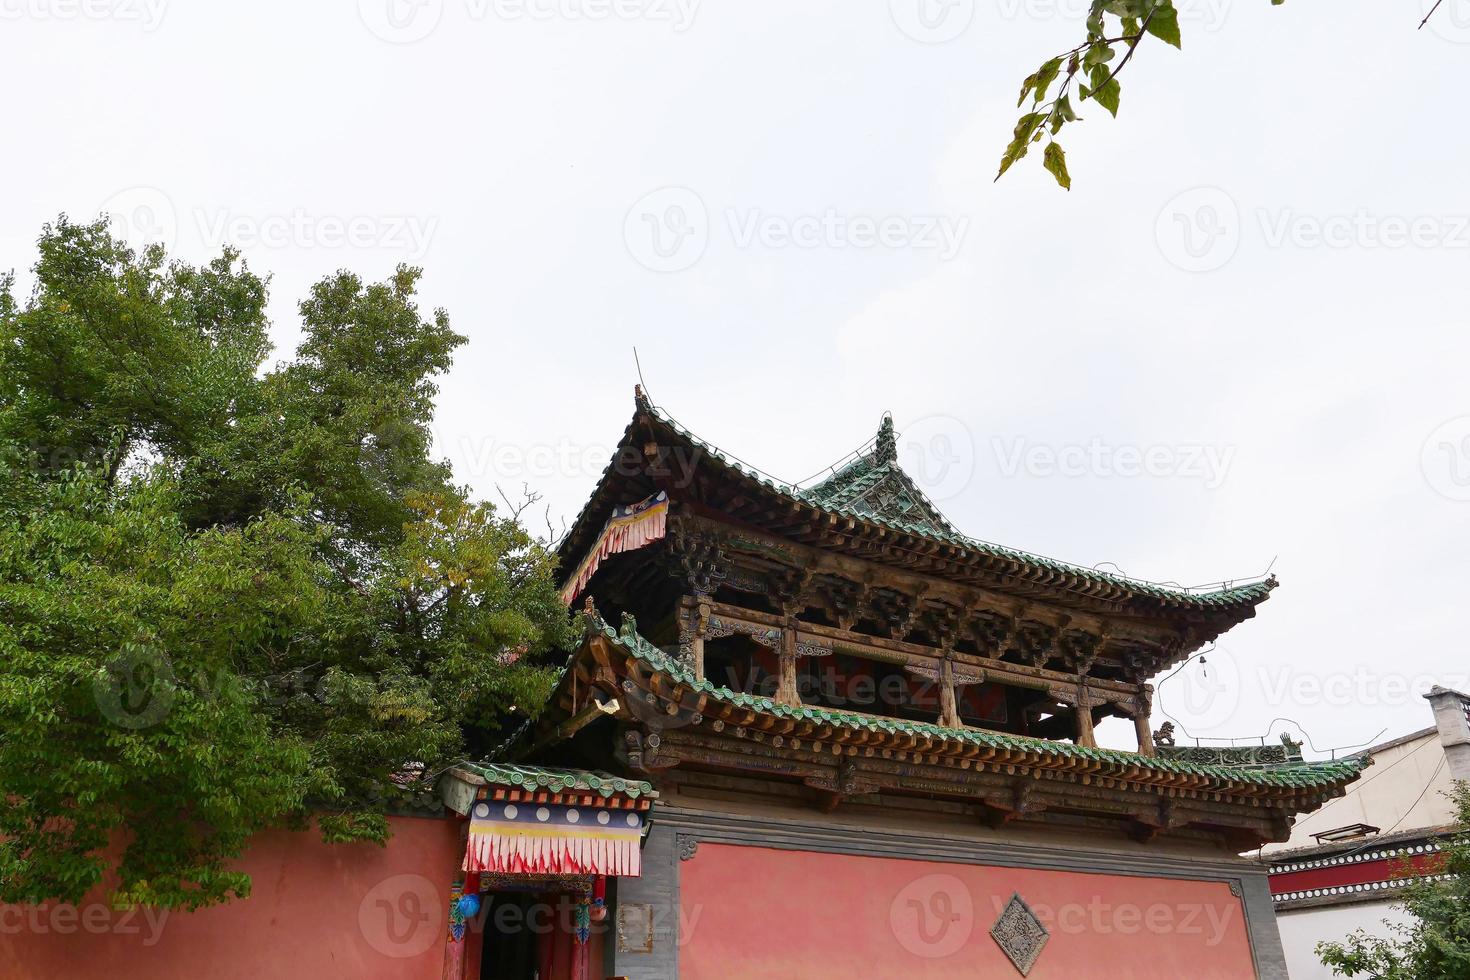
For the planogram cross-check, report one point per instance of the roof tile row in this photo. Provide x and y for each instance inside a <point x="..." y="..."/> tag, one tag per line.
<point x="1301" y="775"/>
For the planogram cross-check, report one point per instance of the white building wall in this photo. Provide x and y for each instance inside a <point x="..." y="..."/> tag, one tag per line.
<point x="1404" y="789"/>
<point x="1302" y="930"/>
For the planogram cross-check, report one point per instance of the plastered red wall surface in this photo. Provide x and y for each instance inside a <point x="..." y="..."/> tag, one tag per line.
<point x="315" y="911"/>
<point x="751" y="912"/>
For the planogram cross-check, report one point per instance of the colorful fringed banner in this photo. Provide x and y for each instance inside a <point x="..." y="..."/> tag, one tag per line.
<point x="523" y="838"/>
<point x="628" y="529"/>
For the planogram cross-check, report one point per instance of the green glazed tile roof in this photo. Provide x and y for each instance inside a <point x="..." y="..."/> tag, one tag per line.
<point x="875" y="486"/>
<point x="1306" y="775"/>
<point x="849" y="493"/>
<point x="558" y="780"/>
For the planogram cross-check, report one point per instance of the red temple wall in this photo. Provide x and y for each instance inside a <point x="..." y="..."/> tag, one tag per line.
<point x="315" y="910"/>
<point x="752" y="912"/>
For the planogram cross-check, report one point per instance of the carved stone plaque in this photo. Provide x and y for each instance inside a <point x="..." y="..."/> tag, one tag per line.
<point x="1019" y="934"/>
<point x="635" y="928"/>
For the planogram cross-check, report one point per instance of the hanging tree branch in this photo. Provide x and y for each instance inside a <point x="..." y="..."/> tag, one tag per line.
<point x="1135" y="19"/>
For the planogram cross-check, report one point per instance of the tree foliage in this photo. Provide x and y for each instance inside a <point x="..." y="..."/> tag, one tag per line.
<point x="231" y="596"/>
<point x="1114" y="30"/>
<point x="1089" y="71"/>
<point x="1435" y="943"/>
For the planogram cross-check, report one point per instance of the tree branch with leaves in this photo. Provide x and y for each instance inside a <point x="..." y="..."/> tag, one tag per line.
<point x="1114" y="30"/>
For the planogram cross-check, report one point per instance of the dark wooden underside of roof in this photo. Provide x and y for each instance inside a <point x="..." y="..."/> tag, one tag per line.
<point x="653" y="455"/>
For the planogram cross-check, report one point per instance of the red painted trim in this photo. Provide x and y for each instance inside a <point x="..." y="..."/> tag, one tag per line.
<point x="1362" y="872"/>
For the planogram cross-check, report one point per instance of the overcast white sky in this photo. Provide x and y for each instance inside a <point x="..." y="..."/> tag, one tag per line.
<point x="1257" y="286"/>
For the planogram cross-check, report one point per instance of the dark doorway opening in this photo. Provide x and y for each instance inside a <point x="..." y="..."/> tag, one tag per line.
<point x="510" y="947"/>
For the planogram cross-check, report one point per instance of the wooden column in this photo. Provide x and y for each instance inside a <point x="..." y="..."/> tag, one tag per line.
<point x="455" y="950"/>
<point x="696" y="643"/>
<point x="1085" y="736"/>
<point x="949" y="713"/>
<point x="786" y="692"/>
<point x="1142" y="726"/>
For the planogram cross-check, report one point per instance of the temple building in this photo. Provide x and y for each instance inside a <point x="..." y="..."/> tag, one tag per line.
<point x="820" y="732"/>
<point x="1346" y="866"/>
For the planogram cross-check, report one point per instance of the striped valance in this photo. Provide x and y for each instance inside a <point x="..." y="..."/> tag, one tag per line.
<point x="530" y="838"/>
<point x="628" y="529"/>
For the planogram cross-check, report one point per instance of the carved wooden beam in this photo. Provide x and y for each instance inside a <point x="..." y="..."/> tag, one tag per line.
<point x="698" y="552"/>
<point x="843" y="783"/>
<point x="1021" y="801"/>
<point x="643" y="752"/>
<point x="883" y="648"/>
<point x="1160" y="818"/>
<point x="855" y="568"/>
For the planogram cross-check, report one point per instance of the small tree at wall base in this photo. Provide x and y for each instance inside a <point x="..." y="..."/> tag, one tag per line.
<point x="233" y="597"/>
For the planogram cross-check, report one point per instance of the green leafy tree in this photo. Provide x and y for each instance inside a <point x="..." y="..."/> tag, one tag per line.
<point x="1435" y="944"/>
<point x="233" y="597"/>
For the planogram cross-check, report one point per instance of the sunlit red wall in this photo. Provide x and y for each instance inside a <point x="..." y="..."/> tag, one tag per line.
<point x="315" y="910"/>
<point x="750" y="912"/>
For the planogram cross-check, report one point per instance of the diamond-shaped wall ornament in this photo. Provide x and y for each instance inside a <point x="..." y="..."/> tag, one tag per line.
<point x="1019" y="934"/>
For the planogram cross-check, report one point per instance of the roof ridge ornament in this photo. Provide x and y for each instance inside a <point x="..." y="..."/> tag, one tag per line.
<point x="886" y="448"/>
